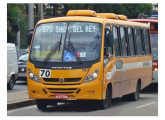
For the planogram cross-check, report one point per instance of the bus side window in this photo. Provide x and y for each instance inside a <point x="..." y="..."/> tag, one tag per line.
<point x="116" y="41"/>
<point x="123" y="42"/>
<point x="142" y="37"/>
<point x="108" y="40"/>
<point x="138" y="42"/>
<point x="111" y="44"/>
<point x="131" y="42"/>
<point x="146" y="42"/>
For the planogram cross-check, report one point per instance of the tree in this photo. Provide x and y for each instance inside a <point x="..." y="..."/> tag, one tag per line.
<point x="15" y="20"/>
<point x="130" y="10"/>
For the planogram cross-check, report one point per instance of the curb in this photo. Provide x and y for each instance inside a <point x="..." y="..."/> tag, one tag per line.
<point x="20" y="104"/>
<point x="19" y="99"/>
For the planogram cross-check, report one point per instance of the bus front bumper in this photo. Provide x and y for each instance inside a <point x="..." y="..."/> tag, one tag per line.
<point x="85" y="91"/>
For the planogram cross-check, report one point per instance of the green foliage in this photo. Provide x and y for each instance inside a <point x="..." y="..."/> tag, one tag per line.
<point x="130" y="10"/>
<point x="15" y="20"/>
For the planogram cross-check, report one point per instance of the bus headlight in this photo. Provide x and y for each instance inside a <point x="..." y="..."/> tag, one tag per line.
<point x="92" y="76"/>
<point x="33" y="76"/>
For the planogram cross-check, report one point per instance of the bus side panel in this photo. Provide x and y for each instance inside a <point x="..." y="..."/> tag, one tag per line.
<point x="134" y="69"/>
<point x="124" y="80"/>
<point x="146" y="81"/>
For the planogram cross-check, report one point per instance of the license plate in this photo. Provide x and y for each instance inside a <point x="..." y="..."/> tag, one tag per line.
<point x="61" y="96"/>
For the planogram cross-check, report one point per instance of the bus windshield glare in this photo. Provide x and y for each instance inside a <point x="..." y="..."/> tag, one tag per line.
<point x="85" y="39"/>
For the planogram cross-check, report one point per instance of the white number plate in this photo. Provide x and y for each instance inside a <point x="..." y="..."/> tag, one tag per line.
<point x="45" y="73"/>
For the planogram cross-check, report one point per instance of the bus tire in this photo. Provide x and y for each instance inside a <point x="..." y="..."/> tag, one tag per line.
<point x="41" y="104"/>
<point x="105" y="103"/>
<point x="133" y="96"/>
<point x="11" y="83"/>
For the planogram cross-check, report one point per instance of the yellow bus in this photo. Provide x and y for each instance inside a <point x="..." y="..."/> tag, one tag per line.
<point x="88" y="56"/>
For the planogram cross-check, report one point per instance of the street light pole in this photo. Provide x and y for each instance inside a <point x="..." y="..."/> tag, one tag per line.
<point x="30" y="16"/>
<point x="41" y="12"/>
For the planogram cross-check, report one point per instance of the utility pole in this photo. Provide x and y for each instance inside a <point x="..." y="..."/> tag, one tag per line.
<point x="18" y="39"/>
<point x="31" y="16"/>
<point x="41" y="11"/>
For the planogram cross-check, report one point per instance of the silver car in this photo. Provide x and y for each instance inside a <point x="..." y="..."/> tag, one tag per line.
<point x="22" y="65"/>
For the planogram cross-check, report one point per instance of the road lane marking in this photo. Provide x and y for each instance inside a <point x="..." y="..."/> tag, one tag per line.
<point x="145" y="105"/>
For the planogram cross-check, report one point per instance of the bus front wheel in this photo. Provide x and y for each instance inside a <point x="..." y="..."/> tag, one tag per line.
<point x="41" y="104"/>
<point x="105" y="103"/>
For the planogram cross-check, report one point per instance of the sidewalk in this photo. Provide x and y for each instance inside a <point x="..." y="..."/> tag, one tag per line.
<point x="18" y="99"/>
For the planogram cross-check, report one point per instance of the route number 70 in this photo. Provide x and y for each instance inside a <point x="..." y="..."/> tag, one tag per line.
<point x="45" y="73"/>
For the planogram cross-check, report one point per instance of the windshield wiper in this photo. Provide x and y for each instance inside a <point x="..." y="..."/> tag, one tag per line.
<point x="74" y="50"/>
<point x="56" y="47"/>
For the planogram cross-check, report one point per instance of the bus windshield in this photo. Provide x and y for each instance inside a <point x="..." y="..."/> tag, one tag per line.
<point x="154" y="39"/>
<point x="85" y="38"/>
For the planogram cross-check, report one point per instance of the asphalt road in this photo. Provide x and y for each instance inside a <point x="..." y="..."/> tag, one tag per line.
<point x="147" y="105"/>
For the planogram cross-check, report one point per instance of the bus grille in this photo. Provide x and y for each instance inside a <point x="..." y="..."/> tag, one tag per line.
<point x="72" y="79"/>
<point x="62" y="90"/>
<point x="65" y="79"/>
<point x="51" y="79"/>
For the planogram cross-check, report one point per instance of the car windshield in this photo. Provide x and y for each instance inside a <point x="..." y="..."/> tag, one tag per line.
<point x="85" y="38"/>
<point x="154" y="39"/>
<point x="23" y="57"/>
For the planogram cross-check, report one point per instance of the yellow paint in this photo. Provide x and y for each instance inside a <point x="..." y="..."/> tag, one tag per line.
<point x="96" y="89"/>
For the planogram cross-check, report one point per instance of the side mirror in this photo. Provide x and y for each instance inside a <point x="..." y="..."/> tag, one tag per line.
<point x="106" y="51"/>
<point x="29" y="38"/>
<point x="111" y="40"/>
<point x="107" y="32"/>
<point x="108" y="38"/>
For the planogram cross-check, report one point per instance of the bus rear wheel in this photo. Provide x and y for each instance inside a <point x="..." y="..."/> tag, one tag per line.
<point x="41" y="104"/>
<point x="133" y="96"/>
<point x="105" y="103"/>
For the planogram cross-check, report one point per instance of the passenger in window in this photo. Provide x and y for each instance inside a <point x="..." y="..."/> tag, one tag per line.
<point x="107" y="56"/>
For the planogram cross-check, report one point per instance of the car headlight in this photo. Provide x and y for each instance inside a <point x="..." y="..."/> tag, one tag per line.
<point x="33" y="76"/>
<point x="156" y="69"/>
<point x="92" y="76"/>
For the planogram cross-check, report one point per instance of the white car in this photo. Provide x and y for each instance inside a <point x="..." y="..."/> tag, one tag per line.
<point x="12" y="65"/>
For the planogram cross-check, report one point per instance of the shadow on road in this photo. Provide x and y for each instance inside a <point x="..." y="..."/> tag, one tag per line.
<point x="83" y="107"/>
<point x="152" y="88"/>
<point x="72" y="107"/>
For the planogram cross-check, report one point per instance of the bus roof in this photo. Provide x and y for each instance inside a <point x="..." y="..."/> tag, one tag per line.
<point x="94" y="19"/>
<point x="144" y="20"/>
